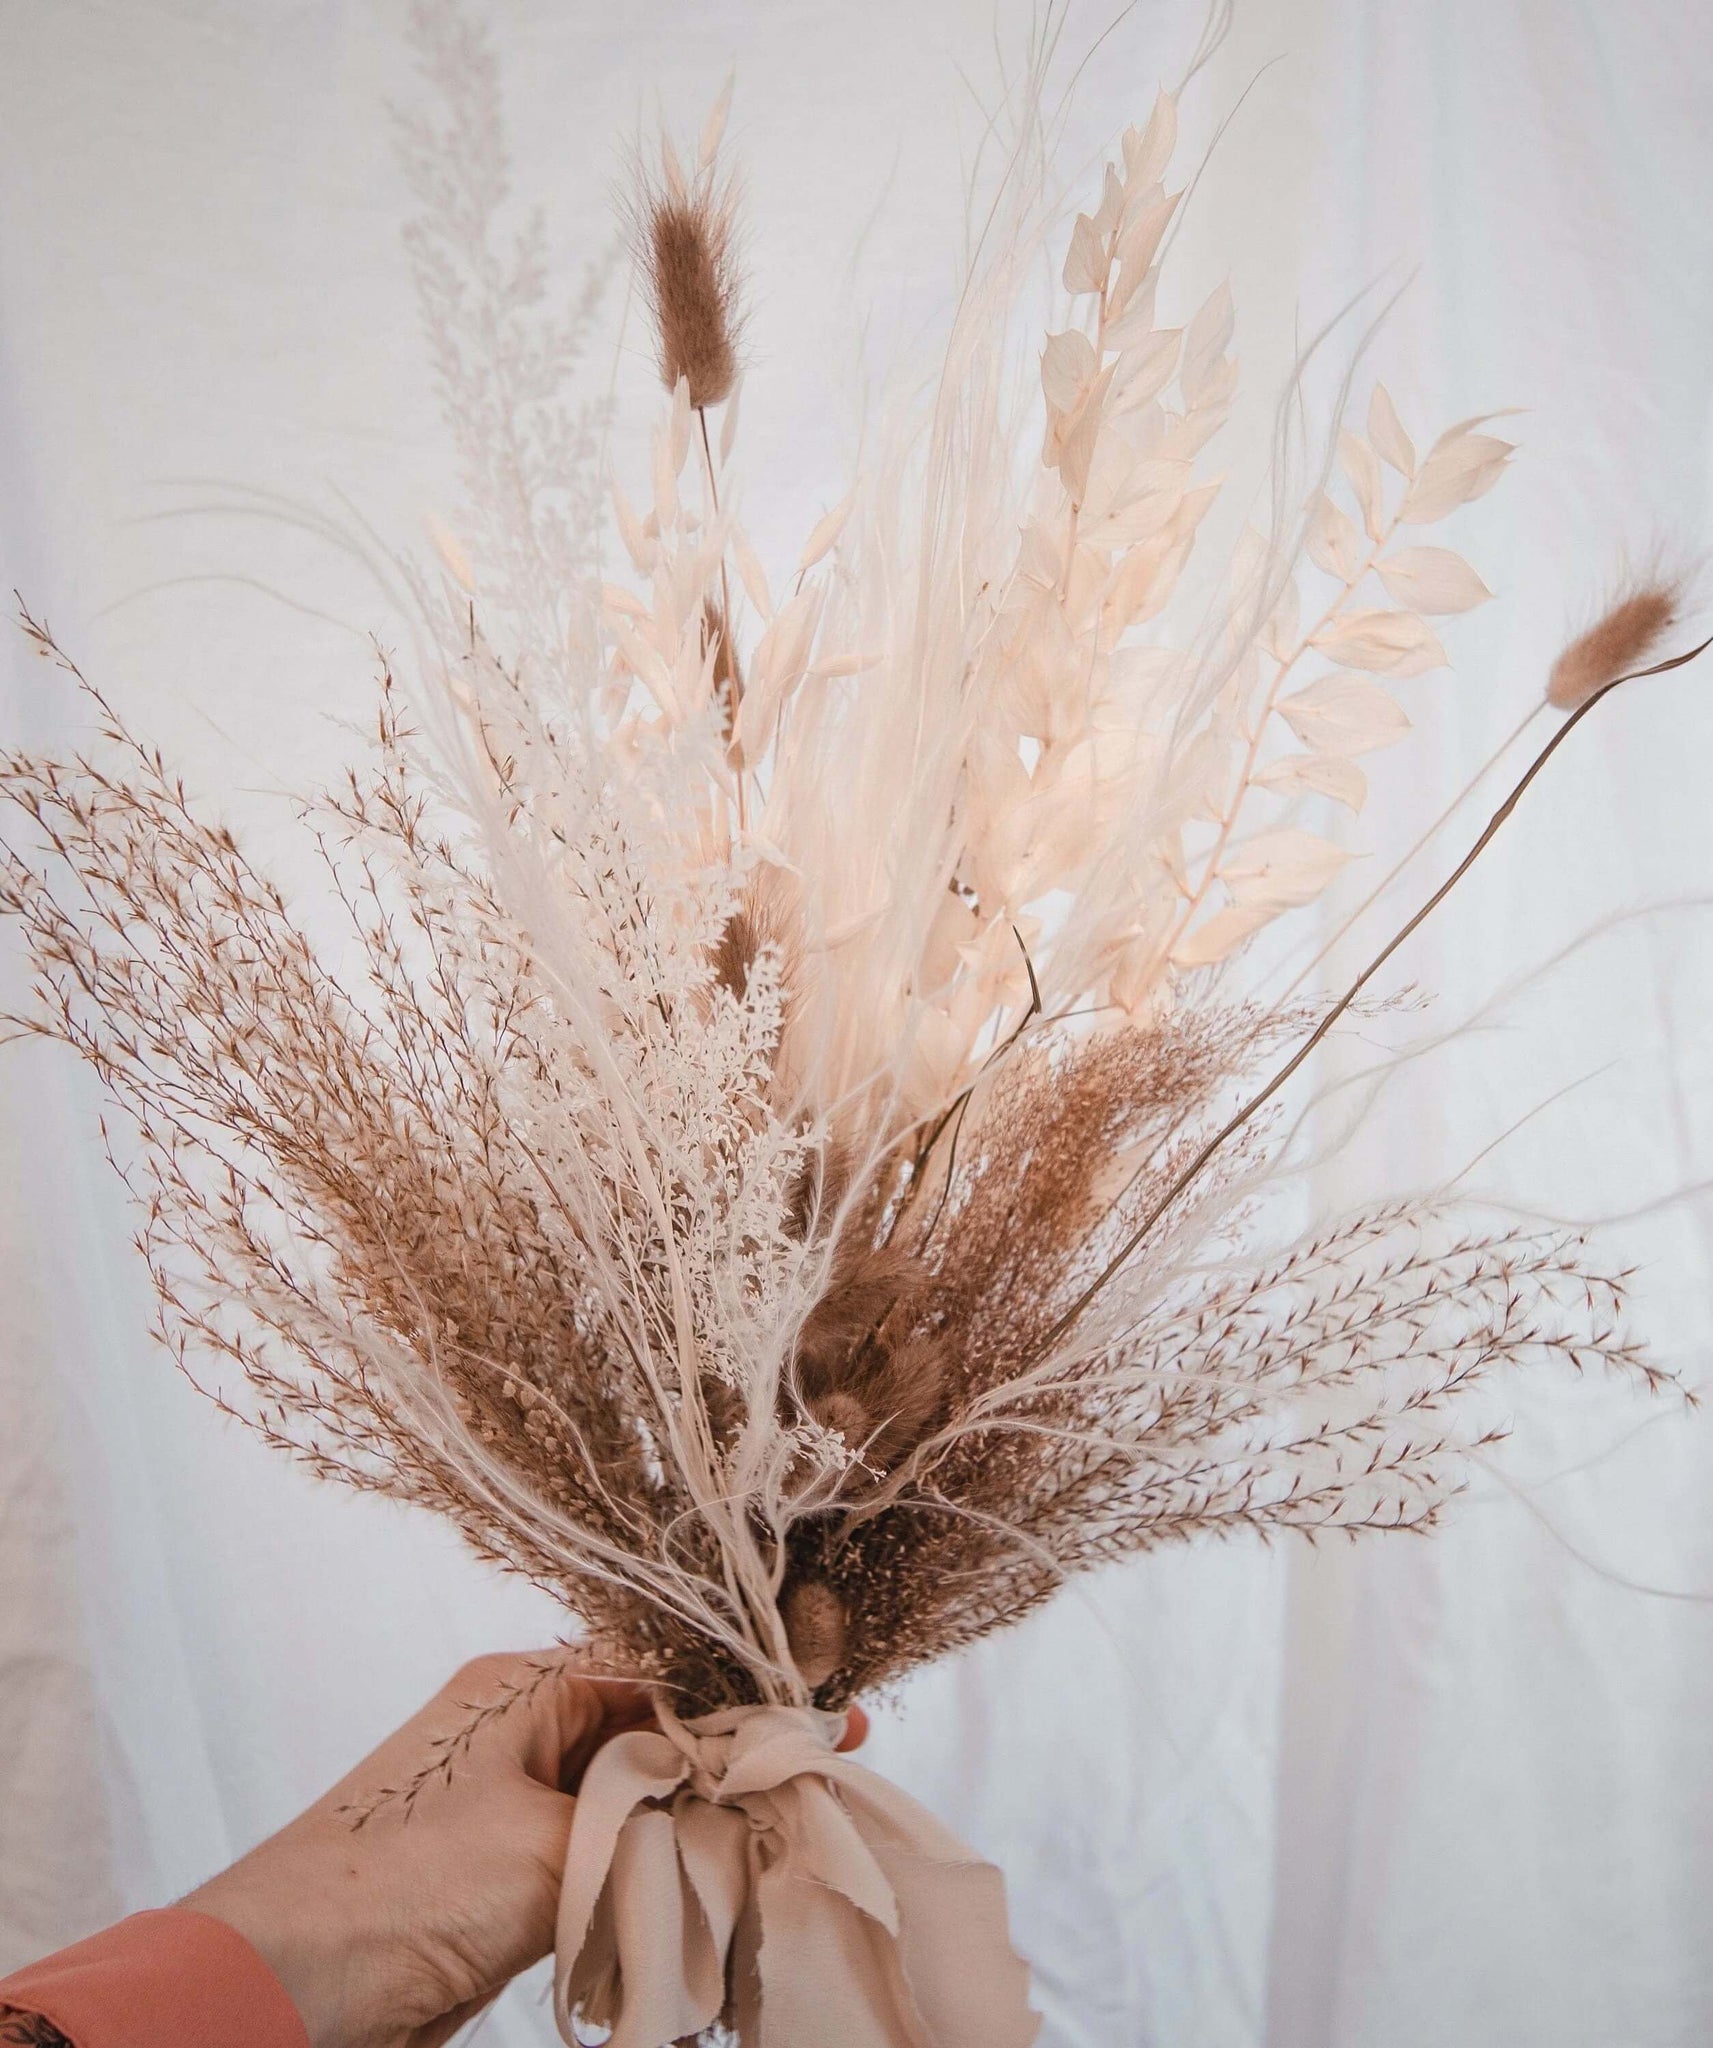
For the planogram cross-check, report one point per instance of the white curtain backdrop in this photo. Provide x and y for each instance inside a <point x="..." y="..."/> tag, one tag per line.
<point x="1405" y="1795"/>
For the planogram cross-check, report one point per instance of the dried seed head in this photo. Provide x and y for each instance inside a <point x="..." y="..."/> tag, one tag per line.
<point x="820" y="1184"/>
<point x="684" y="239"/>
<point x="815" y="1628"/>
<point x="865" y="1286"/>
<point x="846" y="1414"/>
<point x="860" y="1368"/>
<point x="735" y="955"/>
<point x="1618" y="642"/>
<point x="728" y="674"/>
<point x="906" y="1393"/>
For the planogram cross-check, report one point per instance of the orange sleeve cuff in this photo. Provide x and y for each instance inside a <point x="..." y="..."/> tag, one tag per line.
<point x="168" y="1979"/>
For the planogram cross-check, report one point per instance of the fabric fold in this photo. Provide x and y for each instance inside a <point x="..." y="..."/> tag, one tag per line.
<point x="737" y="1867"/>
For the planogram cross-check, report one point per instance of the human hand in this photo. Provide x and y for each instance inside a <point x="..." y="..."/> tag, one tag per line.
<point x="395" y="1933"/>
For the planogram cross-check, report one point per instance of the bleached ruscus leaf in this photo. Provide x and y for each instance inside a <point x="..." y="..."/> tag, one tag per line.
<point x="1386" y="433"/>
<point x="1389" y="643"/>
<point x="1281" y="869"/>
<point x="1344" y="714"/>
<point x="1454" y="472"/>
<point x="1432" y="580"/>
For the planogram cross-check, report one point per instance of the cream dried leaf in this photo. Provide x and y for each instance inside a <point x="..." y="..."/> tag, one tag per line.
<point x="835" y="665"/>
<point x="642" y="547"/>
<point x="1068" y="367"/>
<point x="1220" y="935"/>
<point x="753" y="575"/>
<point x="1144" y="367"/>
<point x="1386" y="432"/>
<point x="1111" y="209"/>
<point x="1140" y="244"/>
<point x="665" y="478"/>
<point x="1432" y="580"/>
<point x="1212" y="400"/>
<point x="1131" y="316"/>
<point x="1077" y="446"/>
<point x="1333" y="542"/>
<point x="1086" y="261"/>
<point x="1362" y="467"/>
<point x="1390" y="643"/>
<point x="1130" y="594"/>
<point x="1148" y="151"/>
<point x="1205" y="342"/>
<point x="1320" y="774"/>
<point x="1457" y="470"/>
<point x="778" y="667"/>
<point x="1281" y="870"/>
<point x="825" y="533"/>
<point x="715" y="125"/>
<point x="1344" y="714"/>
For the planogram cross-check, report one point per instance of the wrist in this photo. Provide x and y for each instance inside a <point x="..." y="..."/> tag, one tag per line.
<point x="307" y="1944"/>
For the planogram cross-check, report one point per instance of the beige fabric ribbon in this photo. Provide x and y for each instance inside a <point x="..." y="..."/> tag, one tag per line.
<point x="737" y="1865"/>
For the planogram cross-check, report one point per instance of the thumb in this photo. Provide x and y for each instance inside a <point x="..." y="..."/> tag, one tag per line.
<point x="560" y="1715"/>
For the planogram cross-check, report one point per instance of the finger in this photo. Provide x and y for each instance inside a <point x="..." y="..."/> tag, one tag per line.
<point x="856" y="1730"/>
<point x="520" y="1710"/>
<point x="621" y="1705"/>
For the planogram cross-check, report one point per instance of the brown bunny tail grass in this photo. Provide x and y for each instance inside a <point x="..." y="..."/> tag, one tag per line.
<point x="685" y="240"/>
<point x="1621" y="639"/>
<point x="815" y="1624"/>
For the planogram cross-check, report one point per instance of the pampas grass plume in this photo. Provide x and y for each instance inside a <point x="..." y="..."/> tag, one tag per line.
<point x="1619" y="641"/>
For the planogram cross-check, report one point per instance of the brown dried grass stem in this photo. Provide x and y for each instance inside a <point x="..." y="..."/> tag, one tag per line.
<point x="1265" y="1094"/>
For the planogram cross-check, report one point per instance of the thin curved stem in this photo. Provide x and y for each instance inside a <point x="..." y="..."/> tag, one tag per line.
<point x="1265" y="1094"/>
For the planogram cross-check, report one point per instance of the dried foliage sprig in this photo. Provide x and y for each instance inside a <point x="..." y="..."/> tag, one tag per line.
<point x="789" y="1175"/>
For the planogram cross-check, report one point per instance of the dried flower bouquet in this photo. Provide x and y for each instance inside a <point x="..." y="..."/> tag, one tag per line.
<point x="783" y="1180"/>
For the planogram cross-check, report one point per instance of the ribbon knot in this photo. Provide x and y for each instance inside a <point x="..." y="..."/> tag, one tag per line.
<point x="708" y="1750"/>
<point x="735" y="1868"/>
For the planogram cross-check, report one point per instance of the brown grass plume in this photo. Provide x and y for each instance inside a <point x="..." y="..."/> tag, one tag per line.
<point x="1621" y="640"/>
<point x="685" y="242"/>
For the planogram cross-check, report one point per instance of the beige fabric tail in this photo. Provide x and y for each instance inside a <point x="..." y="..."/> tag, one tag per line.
<point x="737" y="1865"/>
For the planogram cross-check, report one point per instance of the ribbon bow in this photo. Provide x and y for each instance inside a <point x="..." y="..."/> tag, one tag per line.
<point x="735" y="1867"/>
